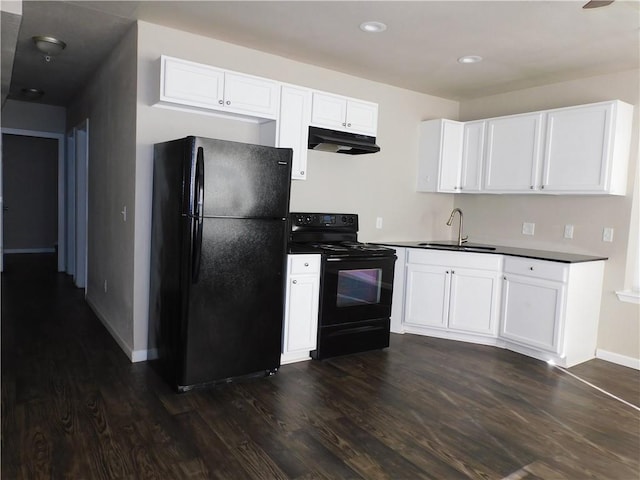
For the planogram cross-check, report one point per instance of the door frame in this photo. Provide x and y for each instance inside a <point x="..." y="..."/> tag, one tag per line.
<point x="61" y="190"/>
<point x="81" y="160"/>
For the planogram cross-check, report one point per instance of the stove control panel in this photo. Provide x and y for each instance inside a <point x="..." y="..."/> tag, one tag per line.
<point x="325" y="221"/>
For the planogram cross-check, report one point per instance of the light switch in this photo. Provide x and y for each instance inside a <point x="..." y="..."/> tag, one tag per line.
<point x="379" y="222"/>
<point x="607" y="234"/>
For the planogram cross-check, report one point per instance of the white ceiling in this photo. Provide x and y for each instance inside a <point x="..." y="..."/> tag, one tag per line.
<point x="523" y="43"/>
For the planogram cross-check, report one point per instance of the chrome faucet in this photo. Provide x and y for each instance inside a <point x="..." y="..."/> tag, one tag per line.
<point x="461" y="239"/>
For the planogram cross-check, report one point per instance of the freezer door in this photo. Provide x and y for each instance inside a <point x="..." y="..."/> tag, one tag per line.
<point x="244" y="180"/>
<point x="235" y="302"/>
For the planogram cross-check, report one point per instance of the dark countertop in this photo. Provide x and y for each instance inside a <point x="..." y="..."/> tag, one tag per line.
<point x="451" y="246"/>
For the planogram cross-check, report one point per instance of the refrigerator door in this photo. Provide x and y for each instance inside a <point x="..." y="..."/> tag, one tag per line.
<point x="242" y="180"/>
<point x="233" y="322"/>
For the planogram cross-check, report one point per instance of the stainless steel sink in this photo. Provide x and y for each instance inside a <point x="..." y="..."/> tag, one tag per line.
<point x="455" y="246"/>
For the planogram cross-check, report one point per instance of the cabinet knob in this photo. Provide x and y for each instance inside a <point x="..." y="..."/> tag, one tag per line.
<point x="344" y="124"/>
<point x="504" y="278"/>
<point x="228" y="102"/>
<point x="531" y="187"/>
<point x="447" y="272"/>
<point x="452" y="272"/>
<point x="348" y="124"/>
<point x="220" y="102"/>
<point x="531" y="268"/>
<point x="294" y="281"/>
<point x="306" y="264"/>
<point x="542" y="186"/>
<point x="301" y="172"/>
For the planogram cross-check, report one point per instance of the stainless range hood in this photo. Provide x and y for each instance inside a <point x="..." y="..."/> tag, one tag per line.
<point x="341" y="142"/>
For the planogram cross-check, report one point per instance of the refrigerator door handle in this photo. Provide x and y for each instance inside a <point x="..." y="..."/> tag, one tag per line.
<point x="198" y="219"/>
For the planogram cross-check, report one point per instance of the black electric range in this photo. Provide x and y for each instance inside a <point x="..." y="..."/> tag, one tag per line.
<point x="356" y="283"/>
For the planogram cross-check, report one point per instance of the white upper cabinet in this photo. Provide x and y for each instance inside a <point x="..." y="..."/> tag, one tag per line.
<point x="439" y="156"/>
<point x="573" y="150"/>
<point x="587" y="148"/>
<point x="202" y="86"/>
<point x="513" y="153"/>
<point x="293" y="126"/>
<point x="346" y="114"/>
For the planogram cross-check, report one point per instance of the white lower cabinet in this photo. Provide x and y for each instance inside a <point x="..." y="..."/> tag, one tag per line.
<point x="550" y="310"/>
<point x="544" y="309"/>
<point x="301" y="307"/>
<point x="452" y="295"/>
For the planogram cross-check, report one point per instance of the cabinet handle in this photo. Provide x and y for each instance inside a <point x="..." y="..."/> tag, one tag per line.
<point x="294" y="281"/>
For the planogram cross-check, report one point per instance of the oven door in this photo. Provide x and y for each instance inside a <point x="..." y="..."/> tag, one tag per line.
<point x="356" y="289"/>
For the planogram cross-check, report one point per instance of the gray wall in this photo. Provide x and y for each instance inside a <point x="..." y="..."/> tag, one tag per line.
<point x="109" y="102"/>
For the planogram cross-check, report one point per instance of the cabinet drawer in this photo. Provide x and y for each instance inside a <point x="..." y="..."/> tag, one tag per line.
<point x="304" y="264"/>
<point x="482" y="261"/>
<point x="536" y="268"/>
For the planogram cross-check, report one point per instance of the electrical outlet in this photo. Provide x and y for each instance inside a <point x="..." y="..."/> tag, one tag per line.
<point x="607" y="234"/>
<point x="568" y="231"/>
<point x="105" y="286"/>
<point x="528" y="228"/>
<point x="124" y="213"/>
<point x="379" y="222"/>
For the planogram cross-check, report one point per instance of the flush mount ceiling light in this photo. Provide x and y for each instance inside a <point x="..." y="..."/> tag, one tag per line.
<point x="31" y="93"/>
<point x="49" y="46"/>
<point x="373" y="27"/>
<point x="470" y="59"/>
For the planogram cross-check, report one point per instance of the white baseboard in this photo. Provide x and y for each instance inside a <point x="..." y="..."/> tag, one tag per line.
<point x="618" y="359"/>
<point x="134" y="355"/>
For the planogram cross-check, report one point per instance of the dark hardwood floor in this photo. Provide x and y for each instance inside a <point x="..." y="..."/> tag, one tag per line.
<point x="74" y="407"/>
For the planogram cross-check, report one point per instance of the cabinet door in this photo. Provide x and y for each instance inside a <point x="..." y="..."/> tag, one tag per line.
<point x="362" y="117"/>
<point x="427" y="296"/>
<point x="513" y="153"/>
<point x="577" y="148"/>
<point x="450" y="158"/>
<point x="472" y="156"/>
<point x="301" y="322"/>
<point x="293" y="126"/>
<point x="253" y="95"/>
<point x="473" y="304"/>
<point x="329" y="111"/>
<point x="190" y="83"/>
<point x="531" y="312"/>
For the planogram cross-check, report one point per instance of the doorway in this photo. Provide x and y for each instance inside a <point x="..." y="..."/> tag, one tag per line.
<point x="32" y="194"/>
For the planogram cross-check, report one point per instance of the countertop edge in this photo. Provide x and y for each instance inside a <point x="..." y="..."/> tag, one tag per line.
<point x="552" y="256"/>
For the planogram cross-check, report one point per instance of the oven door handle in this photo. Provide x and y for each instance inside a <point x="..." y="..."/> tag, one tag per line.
<point x="361" y="259"/>
<point x="350" y="331"/>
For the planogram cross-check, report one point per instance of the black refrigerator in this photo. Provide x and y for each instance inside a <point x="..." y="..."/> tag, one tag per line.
<point x="218" y="257"/>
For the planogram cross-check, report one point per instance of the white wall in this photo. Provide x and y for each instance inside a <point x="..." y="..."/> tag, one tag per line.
<point x="498" y="218"/>
<point x="109" y="102"/>
<point x="370" y="185"/>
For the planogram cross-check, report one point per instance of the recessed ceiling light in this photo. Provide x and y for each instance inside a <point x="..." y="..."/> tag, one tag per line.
<point x="470" y="59"/>
<point x="373" y="27"/>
